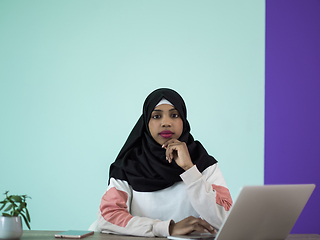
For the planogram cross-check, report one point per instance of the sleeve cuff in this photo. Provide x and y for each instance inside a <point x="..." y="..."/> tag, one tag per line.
<point x="161" y="228"/>
<point x="191" y="175"/>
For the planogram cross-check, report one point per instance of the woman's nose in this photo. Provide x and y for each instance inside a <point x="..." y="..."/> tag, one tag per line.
<point x="166" y="121"/>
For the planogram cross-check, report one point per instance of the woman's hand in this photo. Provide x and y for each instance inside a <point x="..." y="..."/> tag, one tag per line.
<point x="179" y="152"/>
<point x="189" y="225"/>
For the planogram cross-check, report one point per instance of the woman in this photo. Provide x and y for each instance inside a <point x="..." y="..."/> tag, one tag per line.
<point x="163" y="182"/>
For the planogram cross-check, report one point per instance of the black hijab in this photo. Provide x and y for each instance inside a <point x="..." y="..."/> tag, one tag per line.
<point x="142" y="161"/>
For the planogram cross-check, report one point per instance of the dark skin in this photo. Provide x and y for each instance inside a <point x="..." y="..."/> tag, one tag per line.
<point x="189" y="225"/>
<point x="178" y="151"/>
<point x="165" y="117"/>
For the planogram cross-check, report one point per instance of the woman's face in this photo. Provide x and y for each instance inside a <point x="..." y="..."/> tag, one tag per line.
<point x="165" y="123"/>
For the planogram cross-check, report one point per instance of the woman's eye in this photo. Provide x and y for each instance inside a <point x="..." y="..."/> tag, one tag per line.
<point x="156" y="116"/>
<point x="175" y="115"/>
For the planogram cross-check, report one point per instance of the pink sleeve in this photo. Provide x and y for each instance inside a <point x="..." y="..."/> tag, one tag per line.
<point x="223" y="197"/>
<point x="114" y="207"/>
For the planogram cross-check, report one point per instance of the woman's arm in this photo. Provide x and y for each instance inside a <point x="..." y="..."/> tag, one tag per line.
<point x="208" y="193"/>
<point x="114" y="214"/>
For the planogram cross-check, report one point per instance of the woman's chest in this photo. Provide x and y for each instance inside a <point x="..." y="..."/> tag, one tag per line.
<point x="170" y="203"/>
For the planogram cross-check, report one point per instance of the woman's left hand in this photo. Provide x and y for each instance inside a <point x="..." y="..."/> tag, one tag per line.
<point x="179" y="152"/>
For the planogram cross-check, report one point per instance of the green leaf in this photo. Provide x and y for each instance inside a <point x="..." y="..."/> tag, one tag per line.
<point x="16" y="198"/>
<point x="8" y="208"/>
<point x="28" y="215"/>
<point x="6" y="215"/>
<point x="15" y="213"/>
<point x="26" y="220"/>
<point x="23" y="205"/>
<point x="3" y="206"/>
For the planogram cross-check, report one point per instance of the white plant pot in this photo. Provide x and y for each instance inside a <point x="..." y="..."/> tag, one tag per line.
<point x="10" y="227"/>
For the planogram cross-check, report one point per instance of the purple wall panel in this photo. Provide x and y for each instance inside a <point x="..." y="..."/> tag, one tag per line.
<point x="292" y="100"/>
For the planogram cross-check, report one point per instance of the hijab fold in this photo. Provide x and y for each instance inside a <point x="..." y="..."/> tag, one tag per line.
<point x="142" y="161"/>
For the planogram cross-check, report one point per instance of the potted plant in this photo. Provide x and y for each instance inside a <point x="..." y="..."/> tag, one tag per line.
<point x="13" y="207"/>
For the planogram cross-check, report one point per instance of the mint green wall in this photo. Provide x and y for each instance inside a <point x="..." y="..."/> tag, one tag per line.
<point x="74" y="75"/>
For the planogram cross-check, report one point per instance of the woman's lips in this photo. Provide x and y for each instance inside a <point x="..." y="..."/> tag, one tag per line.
<point x="166" y="134"/>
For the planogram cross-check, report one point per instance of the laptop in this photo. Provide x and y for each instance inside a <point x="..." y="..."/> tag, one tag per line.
<point x="266" y="212"/>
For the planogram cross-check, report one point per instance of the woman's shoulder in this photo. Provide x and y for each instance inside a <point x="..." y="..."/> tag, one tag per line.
<point x="212" y="169"/>
<point x="120" y="185"/>
<point x="214" y="175"/>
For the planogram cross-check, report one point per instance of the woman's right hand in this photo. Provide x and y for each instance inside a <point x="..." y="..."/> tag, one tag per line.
<point x="189" y="225"/>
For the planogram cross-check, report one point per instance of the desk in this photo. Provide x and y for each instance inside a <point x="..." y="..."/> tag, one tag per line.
<point x="49" y="235"/>
<point x="46" y="235"/>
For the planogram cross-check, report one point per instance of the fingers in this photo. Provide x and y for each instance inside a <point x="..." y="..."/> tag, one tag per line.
<point x="172" y="147"/>
<point x="206" y="226"/>
<point x="201" y="225"/>
<point x="171" y="141"/>
<point x="178" y="151"/>
<point x="191" y="224"/>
